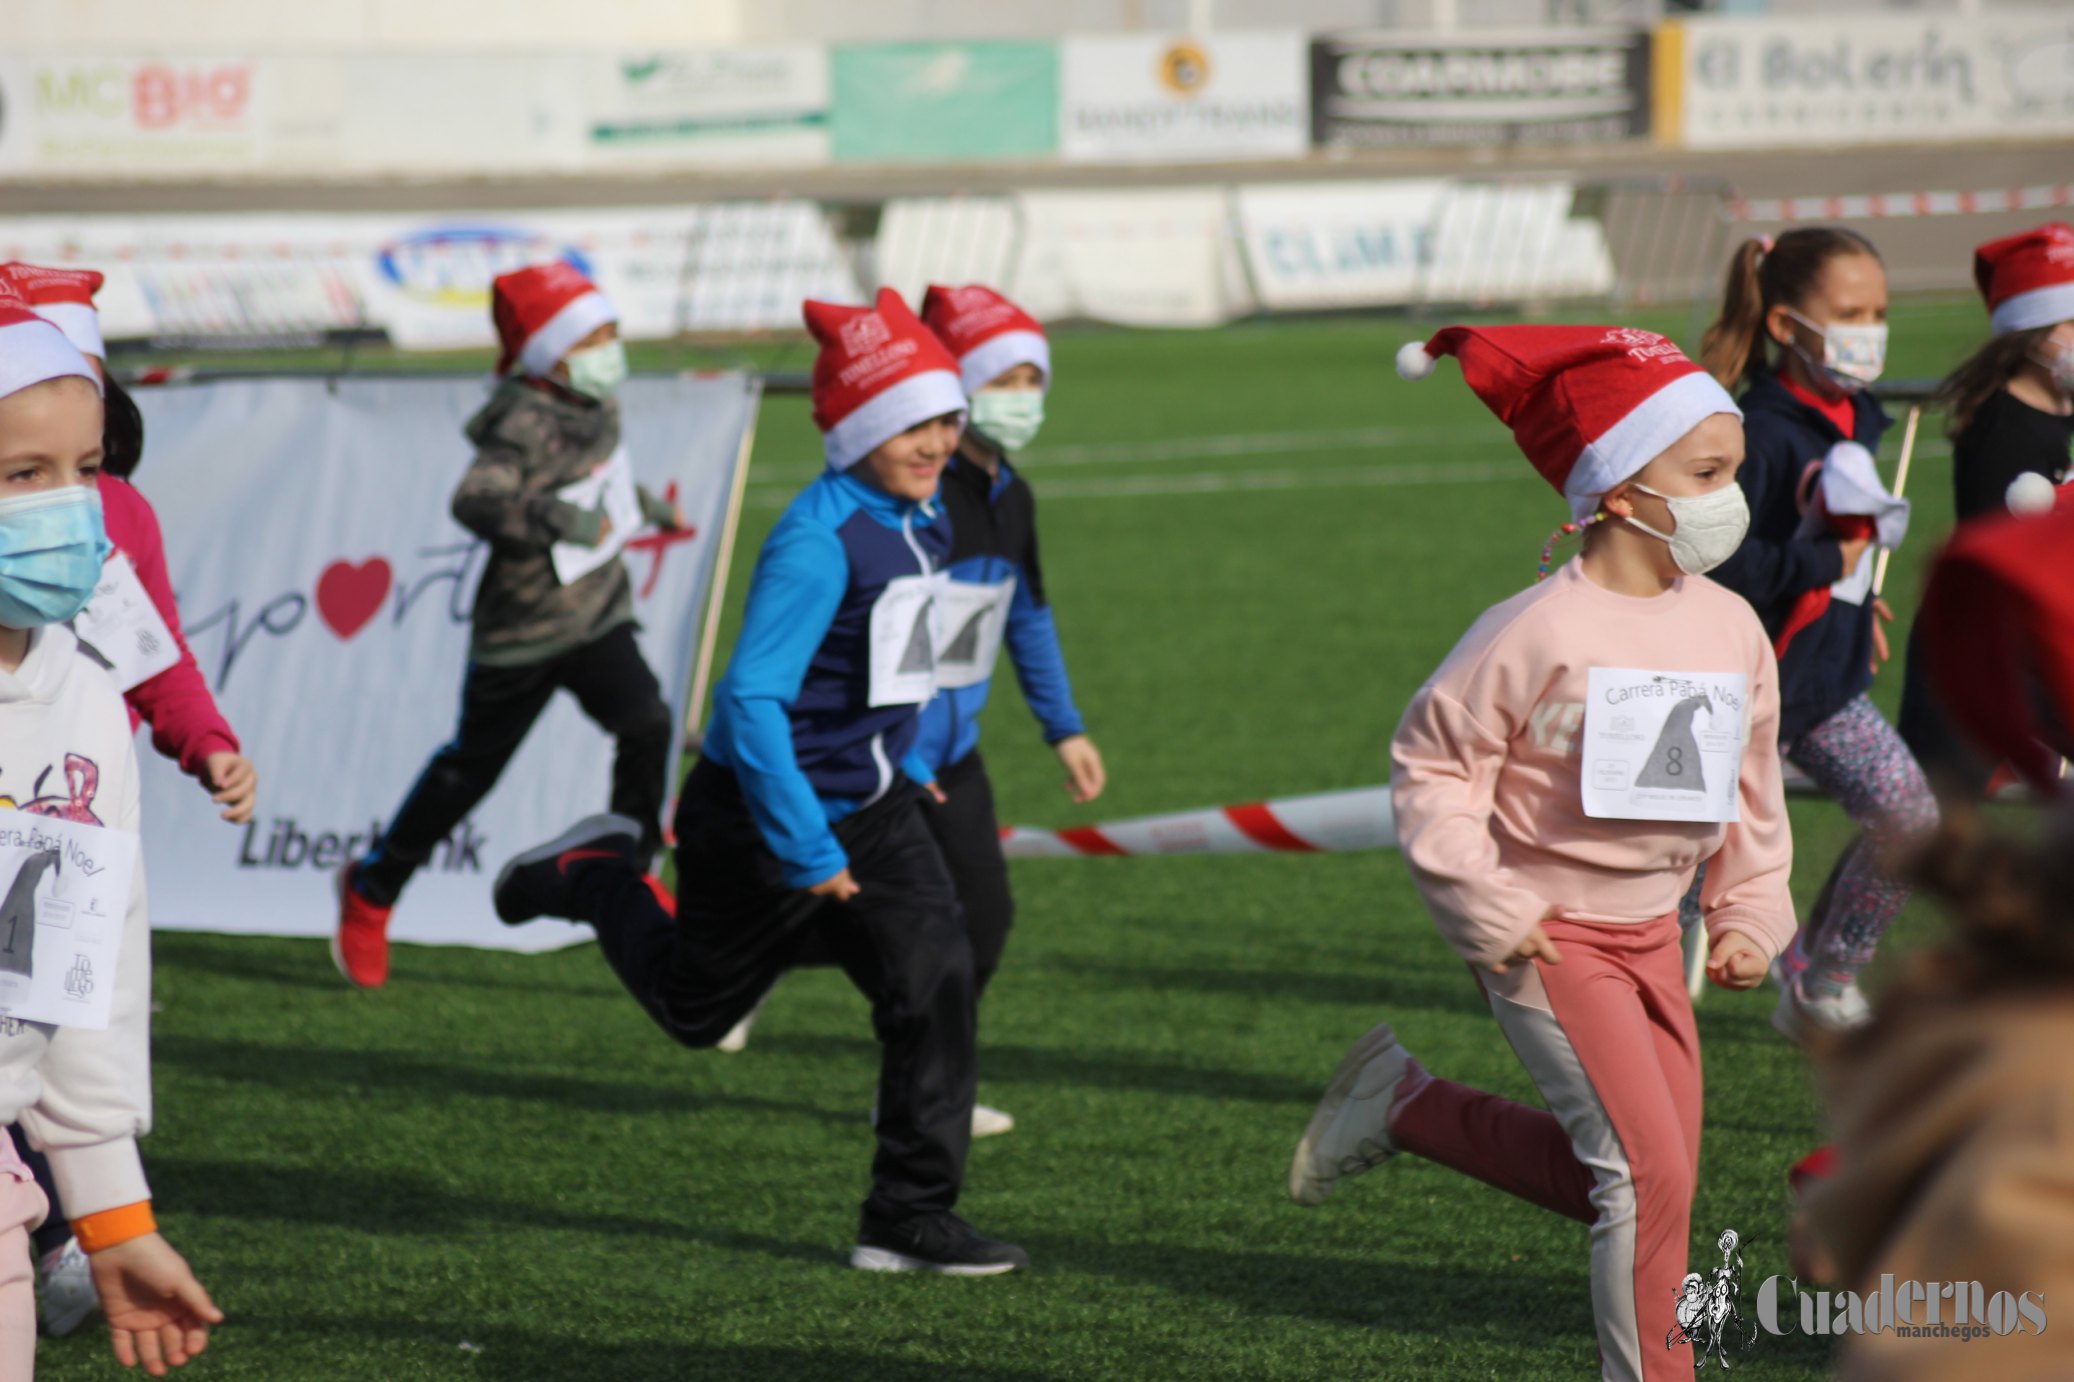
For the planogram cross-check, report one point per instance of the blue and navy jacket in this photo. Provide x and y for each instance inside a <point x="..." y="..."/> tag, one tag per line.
<point x="807" y="723"/>
<point x="1828" y="663"/>
<point x="994" y="553"/>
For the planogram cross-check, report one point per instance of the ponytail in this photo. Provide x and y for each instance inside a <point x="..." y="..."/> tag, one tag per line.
<point x="1764" y="274"/>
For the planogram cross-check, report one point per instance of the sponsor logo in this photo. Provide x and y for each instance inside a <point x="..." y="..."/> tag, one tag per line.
<point x="862" y="335"/>
<point x="451" y="266"/>
<point x="176" y="97"/>
<point x="285" y="844"/>
<point x="1184" y="69"/>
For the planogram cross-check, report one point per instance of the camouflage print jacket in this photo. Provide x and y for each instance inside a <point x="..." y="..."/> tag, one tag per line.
<point x="532" y="442"/>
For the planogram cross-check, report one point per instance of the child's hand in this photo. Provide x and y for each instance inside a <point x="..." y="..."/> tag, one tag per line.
<point x="1537" y="945"/>
<point x="1736" y="962"/>
<point x="233" y="784"/>
<point x="604" y="532"/>
<point x="157" y="1311"/>
<point x="1085" y="775"/>
<point x="1883" y="614"/>
<point x="842" y="887"/>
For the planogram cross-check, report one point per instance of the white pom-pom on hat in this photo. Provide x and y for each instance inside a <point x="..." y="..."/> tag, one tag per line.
<point x="2030" y="492"/>
<point x="1412" y="360"/>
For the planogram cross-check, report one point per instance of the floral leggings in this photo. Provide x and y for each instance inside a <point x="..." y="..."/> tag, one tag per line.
<point x="1858" y="760"/>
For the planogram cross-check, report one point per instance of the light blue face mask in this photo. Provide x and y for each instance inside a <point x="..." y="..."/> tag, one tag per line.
<point x="52" y="544"/>
<point x="599" y="371"/>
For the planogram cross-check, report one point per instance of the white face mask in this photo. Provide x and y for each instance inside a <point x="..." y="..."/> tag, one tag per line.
<point x="1709" y="527"/>
<point x="2059" y="363"/>
<point x="598" y="371"/>
<point x="1009" y="418"/>
<point x="1852" y="356"/>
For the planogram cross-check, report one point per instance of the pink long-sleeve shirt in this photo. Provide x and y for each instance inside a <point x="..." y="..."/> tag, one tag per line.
<point x="1486" y="772"/>
<point x="185" y="724"/>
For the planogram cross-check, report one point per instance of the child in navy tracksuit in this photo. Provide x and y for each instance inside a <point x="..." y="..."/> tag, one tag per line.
<point x="1819" y="295"/>
<point x="800" y="832"/>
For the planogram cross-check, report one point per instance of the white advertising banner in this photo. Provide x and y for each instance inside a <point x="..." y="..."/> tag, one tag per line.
<point x="1338" y="244"/>
<point x="1900" y="78"/>
<point x="332" y="624"/>
<point x="1132" y="98"/>
<point x="708" y="106"/>
<point x="1156" y="257"/>
<point x="164" y="115"/>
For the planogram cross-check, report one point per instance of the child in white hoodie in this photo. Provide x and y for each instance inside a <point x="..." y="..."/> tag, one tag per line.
<point x="82" y="1094"/>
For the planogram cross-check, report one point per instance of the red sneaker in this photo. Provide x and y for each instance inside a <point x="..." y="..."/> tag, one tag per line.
<point x="1812" y="1169"/>
<point x="360" y="948"/>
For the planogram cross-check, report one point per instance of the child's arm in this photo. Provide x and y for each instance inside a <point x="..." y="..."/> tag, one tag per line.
<point x="1445" y="760"/>
<point x="1772" y="566"/>
<point x="1040" y="663"/>
<point x="793" y="596"/>
<point x="1746" y="890"/>
<point x="495" y="502"/>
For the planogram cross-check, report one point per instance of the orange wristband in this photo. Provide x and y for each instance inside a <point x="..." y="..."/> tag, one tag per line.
<point x="108" y="1227"/>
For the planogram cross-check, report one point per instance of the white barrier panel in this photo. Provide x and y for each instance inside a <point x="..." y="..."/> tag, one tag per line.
<point x="707" y="106"/>
<point x="1161" y="257"/>
<point x="1753" y="83"/>
<point x="1338" y="244"/>
<point x="1148" y="99"/>
<point x="330" y="614"/>
<point x="949" y="240"/>
<point x="1514" y="242"/>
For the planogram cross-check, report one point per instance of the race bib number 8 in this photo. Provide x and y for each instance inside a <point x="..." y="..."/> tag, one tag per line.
<point x="122" y="625"/>
<point x="974" y="618"/>
<point x="1664" y="746"/>
<point x="906" y="623"/>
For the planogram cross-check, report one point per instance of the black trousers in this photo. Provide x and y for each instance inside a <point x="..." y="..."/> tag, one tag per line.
<point x="739" y="926"/>
<point x="969" y="834"/>
<point x="615" y="687"/>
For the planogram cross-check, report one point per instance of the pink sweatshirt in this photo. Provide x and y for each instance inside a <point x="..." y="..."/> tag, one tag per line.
<point x="1485" y="772"/>
<point x="185" y="724"/>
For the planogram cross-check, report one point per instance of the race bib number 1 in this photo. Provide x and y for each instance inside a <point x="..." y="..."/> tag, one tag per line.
<point x="1664" y="746"/>
<point x="64" y="893"/>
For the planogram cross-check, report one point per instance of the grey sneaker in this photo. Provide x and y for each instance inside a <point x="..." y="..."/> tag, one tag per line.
<point x="1350" y="1132"/>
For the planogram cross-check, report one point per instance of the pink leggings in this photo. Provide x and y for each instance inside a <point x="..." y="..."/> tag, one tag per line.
<point x="1608" y="1037"/>
<point x="22" y="1207"/>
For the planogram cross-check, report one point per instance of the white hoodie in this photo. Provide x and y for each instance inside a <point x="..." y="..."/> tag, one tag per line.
<point x="83" y="1096"/>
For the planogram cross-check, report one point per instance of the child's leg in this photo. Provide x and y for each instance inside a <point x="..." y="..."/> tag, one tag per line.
<point x="498" y="706"/>
<point x="613" y="684"/>
<point x="969" y="834"/>
<point x="1856" y="757"/>
<point x="22" y="1207"/>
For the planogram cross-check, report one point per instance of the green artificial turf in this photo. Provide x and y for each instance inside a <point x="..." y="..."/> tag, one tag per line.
<point x="496" y="1168"/>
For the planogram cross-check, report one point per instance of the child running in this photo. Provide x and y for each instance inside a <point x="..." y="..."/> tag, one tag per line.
<point x="552" y="424"/>
<point x="800" y="833"/>
<point x="2012" y="415"/>
<point x="83" y="1094"/>
<point x="1559" y="885"/>
<point x="1803" y="324"/>
<point x="173" y="699"/>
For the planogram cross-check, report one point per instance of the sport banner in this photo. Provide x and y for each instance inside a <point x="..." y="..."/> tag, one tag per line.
<point x="326" y="593"/>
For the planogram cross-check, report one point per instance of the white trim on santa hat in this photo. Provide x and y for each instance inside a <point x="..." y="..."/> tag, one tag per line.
<point x="887" y="414"/>
<point x="2047" y="306"/>
<point x="1655" y="424"/>
<point x="997" y="355"/>
<point x="79" y="321"/>
<point x="33" y="352"/>
<point x="578" y="318"/>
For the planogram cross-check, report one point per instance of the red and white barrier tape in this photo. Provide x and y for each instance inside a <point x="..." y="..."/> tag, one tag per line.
<point x="1328" y="822"/>
<point x="1898" y="205"/>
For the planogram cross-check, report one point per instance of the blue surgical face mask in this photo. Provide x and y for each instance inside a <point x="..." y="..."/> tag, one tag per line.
<point x="52" y="544"/>
<point x="598" y="371"/>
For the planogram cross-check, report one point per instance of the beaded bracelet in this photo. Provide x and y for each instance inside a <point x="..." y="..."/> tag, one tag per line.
<point x="1548" y="548"/>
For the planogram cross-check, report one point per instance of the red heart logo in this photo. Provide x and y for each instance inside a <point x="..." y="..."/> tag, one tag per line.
<point x="348" y="596"/>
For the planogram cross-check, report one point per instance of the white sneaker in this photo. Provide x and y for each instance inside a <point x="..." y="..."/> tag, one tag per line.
<point x="69" y="1298"/>
<point x="990" y="1122"/>
<point x="738" y="1035"/>
<point x="1350" y="1132"/>
<point x="1800" y="1018"/>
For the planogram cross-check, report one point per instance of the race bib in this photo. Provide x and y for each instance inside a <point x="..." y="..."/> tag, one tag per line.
<point x="123" y="627"/>
<point x="974" y="619"/>
<point x="1664" y="746"/>
<point x="906" y="626"/>
<point x="611" y="484"/>
<point x="64" y="890"/>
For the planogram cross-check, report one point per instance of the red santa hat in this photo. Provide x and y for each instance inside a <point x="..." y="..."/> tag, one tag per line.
<point x="543" y="310"/>
<point x="1997" y="623"/>
<point x="64" y="298"/>
<point x="989" y="334"/>
<point x="2028" y="279"/>
<point x="880" y="372"/>
<point x="1589" y="405"/>
<point x="33" y="350"/>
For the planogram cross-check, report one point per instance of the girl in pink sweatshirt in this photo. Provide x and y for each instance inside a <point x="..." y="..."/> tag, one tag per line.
<point x="1586" y="745"/>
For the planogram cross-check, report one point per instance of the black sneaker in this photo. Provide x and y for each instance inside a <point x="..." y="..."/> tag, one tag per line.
<point x="536" y="883"/>
<point x="934" y="1243"/>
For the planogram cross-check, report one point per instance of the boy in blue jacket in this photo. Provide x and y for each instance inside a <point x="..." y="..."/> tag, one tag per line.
<point x="800" y="833"/>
